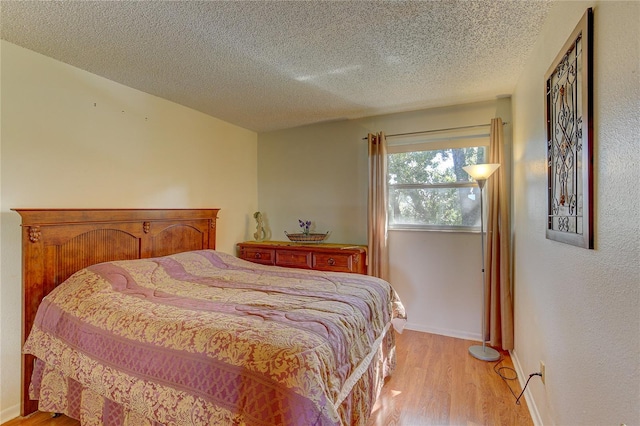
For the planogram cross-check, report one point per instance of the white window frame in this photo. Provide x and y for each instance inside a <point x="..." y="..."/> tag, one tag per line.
<point x="433" y="141"/>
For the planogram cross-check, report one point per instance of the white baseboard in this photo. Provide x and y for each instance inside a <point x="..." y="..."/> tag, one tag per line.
<point x="531" y="404"/>
<point x="9" y="413"/>
<point x="460" y="334"/>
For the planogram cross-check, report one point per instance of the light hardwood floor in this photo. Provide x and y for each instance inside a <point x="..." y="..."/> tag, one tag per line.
<point x="436" y="382"/>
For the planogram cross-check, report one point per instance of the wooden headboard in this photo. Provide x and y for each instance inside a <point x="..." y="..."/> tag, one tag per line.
<point x="58" y="242"/>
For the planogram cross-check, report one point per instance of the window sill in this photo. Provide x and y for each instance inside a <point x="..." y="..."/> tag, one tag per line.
<point x="460" y="230"/>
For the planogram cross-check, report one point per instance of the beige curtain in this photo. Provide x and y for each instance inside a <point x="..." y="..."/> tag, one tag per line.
<point x="498" y="300"/>
<point x="378" y="253"/>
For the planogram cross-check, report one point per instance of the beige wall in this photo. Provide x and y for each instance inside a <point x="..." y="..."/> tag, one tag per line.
<point x="319" y="173"/>
<point x="72" y="139"/>
<point x="578" y="310"/>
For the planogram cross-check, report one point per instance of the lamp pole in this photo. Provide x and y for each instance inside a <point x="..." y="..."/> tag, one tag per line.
<point x="482" y="172"/>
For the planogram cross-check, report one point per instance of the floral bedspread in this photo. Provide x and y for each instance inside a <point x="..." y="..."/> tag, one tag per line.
<point x="205" y="338"/>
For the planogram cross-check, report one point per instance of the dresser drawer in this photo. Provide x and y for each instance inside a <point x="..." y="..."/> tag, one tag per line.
<point x="293" y="258"/>
<point x="258" y="255"/>
<point x="322" y="257"/>
<point x="335" y="262"/>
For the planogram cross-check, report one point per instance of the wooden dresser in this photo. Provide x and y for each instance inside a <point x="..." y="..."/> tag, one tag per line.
<point x="321" y="257"/>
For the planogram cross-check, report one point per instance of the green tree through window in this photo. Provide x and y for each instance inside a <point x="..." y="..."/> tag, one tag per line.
<point x="429" y="189"/>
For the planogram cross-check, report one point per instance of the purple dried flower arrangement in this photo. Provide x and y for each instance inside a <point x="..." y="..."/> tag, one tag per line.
<point x="306" y="236"/>
<point x="305" y="225"/>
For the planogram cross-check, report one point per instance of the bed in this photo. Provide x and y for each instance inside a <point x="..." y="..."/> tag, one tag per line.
<point x="144" y="322"/>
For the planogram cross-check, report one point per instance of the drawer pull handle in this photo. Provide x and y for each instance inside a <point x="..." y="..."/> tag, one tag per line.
<point x="331" y="261"/>
<point x="258" y="256"/>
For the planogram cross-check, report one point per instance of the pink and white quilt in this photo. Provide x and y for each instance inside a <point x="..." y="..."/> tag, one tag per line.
<point x="205" y="338"/>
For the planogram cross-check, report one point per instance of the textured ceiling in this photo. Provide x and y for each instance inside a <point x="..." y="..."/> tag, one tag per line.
<point x="274" y="65"/>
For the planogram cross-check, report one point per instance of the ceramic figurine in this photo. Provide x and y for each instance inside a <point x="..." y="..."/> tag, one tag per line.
<point x="260" y="233"/>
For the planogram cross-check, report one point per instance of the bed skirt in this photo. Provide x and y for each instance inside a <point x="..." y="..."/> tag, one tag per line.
<point x="58" y="393"/>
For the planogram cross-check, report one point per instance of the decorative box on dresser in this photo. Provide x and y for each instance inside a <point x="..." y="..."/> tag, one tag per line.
<point x="321" y="257"/>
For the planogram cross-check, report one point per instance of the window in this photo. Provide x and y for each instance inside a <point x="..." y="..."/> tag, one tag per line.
<point x="428" y="188"/>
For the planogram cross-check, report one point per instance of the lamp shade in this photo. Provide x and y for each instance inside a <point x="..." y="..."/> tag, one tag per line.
<point x="481" y="171"/>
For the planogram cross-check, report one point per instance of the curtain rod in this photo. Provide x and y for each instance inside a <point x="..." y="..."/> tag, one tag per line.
<point x="424" y="132"/>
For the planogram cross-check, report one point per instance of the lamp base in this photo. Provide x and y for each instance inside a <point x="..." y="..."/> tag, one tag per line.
<point x="484" y="353"/>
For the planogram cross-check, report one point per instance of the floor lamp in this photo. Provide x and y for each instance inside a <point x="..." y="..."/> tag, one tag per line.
<point x="482" y="172"/>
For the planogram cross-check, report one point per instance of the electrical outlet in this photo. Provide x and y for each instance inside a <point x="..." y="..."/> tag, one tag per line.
<point x="542" y="372"/>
